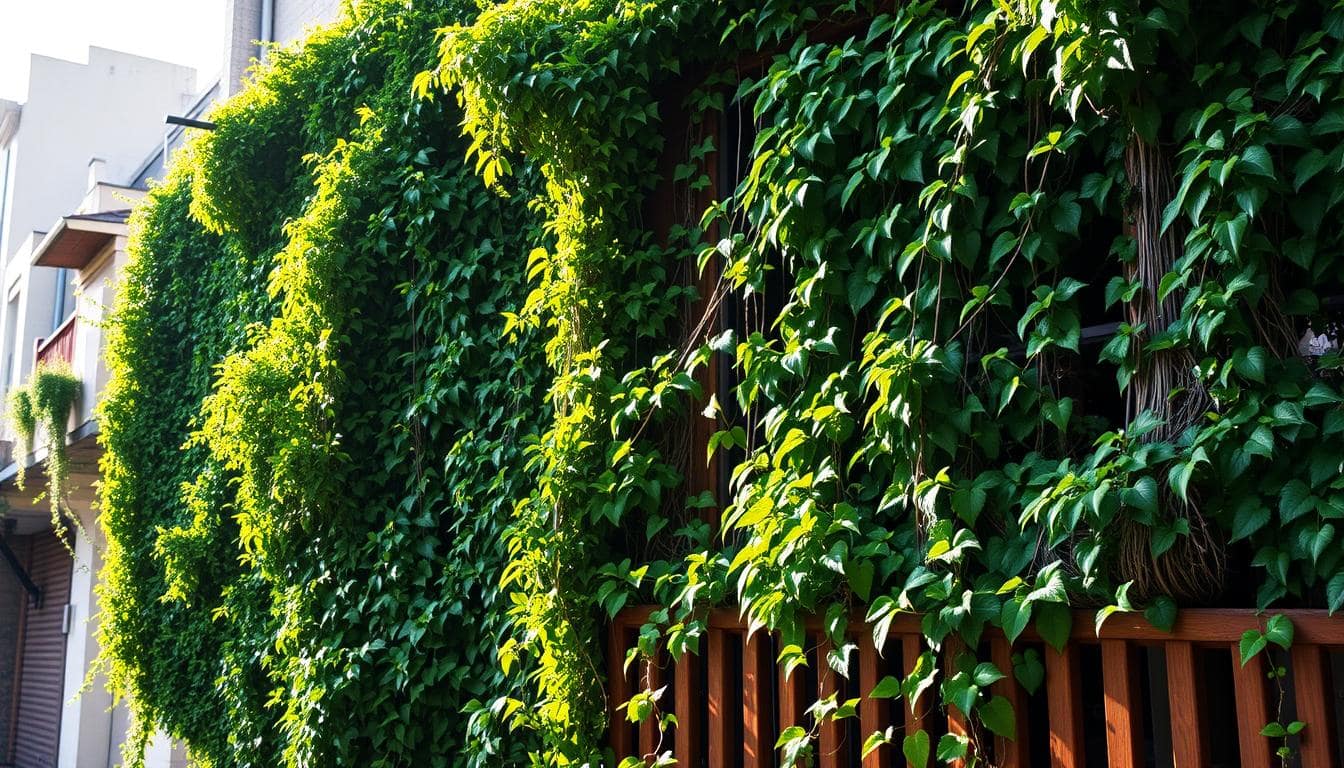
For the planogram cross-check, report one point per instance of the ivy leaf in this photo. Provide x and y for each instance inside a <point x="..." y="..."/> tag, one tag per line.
<point x="1029" y="670"/>
<point x="1307" y="167"/>
<point x="1279" y="631"/>
<point x="952" y="747"/>
<point x="1295" y="500"/>
<point x="1014" y="618"/>
<point x="875" y="741"/>
<point x="1054" y="621"/>
<point x="860" y="290"/>
<point x="888" y="688"/>
<point x="1162" y="613"/>
<point x="860" y="575"/>
<point x="1334" y="593"/>
<point x="1258" y="161"/>
<point x="916" y="749"/>
<point x="997" y="715"/>
<point x="1253" y="641"/>
<point x="1319" y="542"/>
<point x="1250" y="364"/>
<point x="986" y="674"/>
<point x="961" y="692"/>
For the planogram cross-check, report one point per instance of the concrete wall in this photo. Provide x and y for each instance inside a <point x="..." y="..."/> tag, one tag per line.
<point x="294" y="17"/>
<point x="291" y="19"/>
<point x="111" y="108"/>
<point x="96" y="742"/>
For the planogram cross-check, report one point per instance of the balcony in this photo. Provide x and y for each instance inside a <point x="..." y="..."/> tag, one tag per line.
<point x="57" y="348"/>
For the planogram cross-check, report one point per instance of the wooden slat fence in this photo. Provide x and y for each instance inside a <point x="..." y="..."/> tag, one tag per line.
<point x="731" y="702"/>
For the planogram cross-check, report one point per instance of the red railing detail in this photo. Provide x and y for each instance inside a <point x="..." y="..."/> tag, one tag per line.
<point x="58" y="347"/>
<point x="745" y="702"/>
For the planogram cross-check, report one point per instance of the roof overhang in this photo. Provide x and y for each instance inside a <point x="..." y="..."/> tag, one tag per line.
<point x="76" y="241"/>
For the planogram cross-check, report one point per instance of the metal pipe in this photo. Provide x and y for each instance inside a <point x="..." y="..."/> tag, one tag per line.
<point x="267" y="25"/>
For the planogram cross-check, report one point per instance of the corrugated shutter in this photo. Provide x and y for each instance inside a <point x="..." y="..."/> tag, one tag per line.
<point x="42" y="666"/>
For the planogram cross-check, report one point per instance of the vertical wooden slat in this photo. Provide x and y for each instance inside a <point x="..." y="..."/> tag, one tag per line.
<point x="1064" y="691"/>
<point x="1124" y="705"/>
<point x="911" y="647"/>
<point x="687" y="684"/>
<point x="874" y="714"/>
<point x="1189" y="748"/>
<point x="651" y="679"/>
<point x="719" y="732"/>
<point x="791" y="706"/>
<point x="758" y="742"/>
<point x="831" y="749"/>
<point x="1252" y="709"/>
<point x="1010" y="753"/>
<point x="619" y="690"/>
<point x="1314" y="701"/>
<point x="956" y="719"/>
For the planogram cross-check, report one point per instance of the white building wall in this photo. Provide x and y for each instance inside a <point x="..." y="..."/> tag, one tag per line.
<point x="295" y="17"/>
<point x="111" y="108"/>
<point x="244" y="28"/>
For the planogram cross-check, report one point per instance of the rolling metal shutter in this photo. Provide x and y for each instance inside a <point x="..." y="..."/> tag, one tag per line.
<point x="42" y="664"/>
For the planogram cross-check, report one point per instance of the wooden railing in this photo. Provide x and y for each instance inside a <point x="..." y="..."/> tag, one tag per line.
<point x="1100" y="696"/>
<point x="58" y="347"/>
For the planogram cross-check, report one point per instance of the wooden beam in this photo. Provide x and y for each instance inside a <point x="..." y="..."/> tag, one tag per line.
<point x="719" y="732"/>
<point x="688" y="701"/>
<point x="1124" y="703"/>
<point x="1252" y="708"/>
<point x="1317" y="740"/>
<point x="1189" y="748"/>
<point x="618" y="690"/>
<point x="1064" y="689"/>
<point x="874" y="714"/>
<point x="758" y="738"/>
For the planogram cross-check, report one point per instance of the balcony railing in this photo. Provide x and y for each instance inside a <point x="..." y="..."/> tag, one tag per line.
<point x="736" y="692"/>
<point x="58" y="347"/>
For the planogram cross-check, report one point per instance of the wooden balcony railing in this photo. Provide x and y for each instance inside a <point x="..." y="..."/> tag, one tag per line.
<point x="58" y="347"/>
<point x="1099" y="695"/>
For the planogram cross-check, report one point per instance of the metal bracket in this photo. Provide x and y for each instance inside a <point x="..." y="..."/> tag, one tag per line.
<point x="33" y="590"/>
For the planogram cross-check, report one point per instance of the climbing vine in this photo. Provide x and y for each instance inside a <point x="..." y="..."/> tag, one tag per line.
<point x="314" y="423"/>
<point x="428" y="365"/>
<point x="1044" y="317"/>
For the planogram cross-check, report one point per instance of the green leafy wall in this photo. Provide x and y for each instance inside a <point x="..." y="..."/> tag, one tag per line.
<point x="936" y="200"/>
<point x="314" y="427"/>
<point x="440" y="398"/>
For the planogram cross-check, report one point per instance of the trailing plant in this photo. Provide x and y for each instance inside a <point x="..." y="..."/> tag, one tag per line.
<point x="45" y="401"/>
<point x="315" y="413"/>
<point x="23" y="420"/>
<point x="54" y="389"/>
<point x="1278" y="631"/>
<point x="932" y="204"/>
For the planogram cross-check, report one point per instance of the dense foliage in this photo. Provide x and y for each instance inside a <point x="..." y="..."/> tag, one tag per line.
<point x="930" y="205"/>
<point x="314" y="423"/>
<point x="982" y="311"/>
